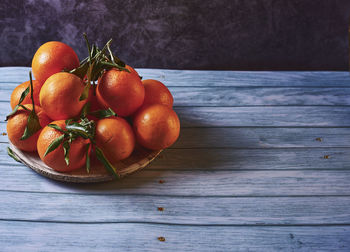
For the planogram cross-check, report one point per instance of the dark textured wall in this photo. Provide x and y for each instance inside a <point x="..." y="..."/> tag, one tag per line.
<point x="185" y="34"/>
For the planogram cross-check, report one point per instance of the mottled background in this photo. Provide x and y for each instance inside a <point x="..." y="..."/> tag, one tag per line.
<point x="185" y="34"/>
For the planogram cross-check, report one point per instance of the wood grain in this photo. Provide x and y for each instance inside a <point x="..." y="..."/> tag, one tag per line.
<point x="235" y="159"/>
<point x="193" y="183"/>
<point x="264" y="116"/>
<point x="244" y="138"/>
<point x="175" y="210"/>
<point x="243" y="96"/>
<point x="220" y="78"/>
<point x="17" y="236"/>
<point x="261" y="165"/>
<point x="277" y="116"/>
<point x="263" y="138"/>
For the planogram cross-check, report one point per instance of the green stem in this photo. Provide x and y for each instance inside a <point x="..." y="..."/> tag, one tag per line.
<point x="31" y="90"/>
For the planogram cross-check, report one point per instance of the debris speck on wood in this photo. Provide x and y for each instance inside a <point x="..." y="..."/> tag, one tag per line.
<point x="161" y="238"/>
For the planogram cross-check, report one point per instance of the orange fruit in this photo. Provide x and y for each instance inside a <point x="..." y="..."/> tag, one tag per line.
<point x="17" y="124"/>
<point x="59" y="96"/>
<point x="55" y="159"/>
<point x="156" y="127"/>
<point x="157" y="93"/>
<point x="115" y="137"/>
<point x="121" y="91"/>
<point x="53" y="57"/>
<point x="17" y="92"/>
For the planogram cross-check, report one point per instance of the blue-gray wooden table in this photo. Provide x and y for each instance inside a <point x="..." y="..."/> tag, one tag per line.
<point x="262" y="164"/>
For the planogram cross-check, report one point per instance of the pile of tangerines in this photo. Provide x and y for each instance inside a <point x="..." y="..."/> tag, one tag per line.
<point x="97" y="108"/>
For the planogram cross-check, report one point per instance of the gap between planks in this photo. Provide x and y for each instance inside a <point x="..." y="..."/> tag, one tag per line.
<point x="177" y="224"/>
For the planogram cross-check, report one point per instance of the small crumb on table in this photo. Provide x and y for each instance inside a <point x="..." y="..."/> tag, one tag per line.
<point x="161" y="238"/>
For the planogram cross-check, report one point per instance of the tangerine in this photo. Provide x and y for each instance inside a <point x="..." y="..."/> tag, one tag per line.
<point x="55" y="159"/>
<point x="53" y="57"/>
<point x="156" y="127"/>
<point x="59" y="96"/>
<point x="17" y="124"/>
<point x="120" y="90"/>
<point x="115" y="137"/>
<point x="17" y="92"/>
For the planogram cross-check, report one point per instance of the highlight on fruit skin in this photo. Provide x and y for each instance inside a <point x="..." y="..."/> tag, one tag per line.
<point x="122" y="91"/>
<point x="59" y="96"/>
<point x="156" y="127"/>
<point x="115" y="137"/>
<point x="16" y="126"/>
<point x="56" y="158"/>
<point x="53" y="57"/>
<point x="17" y="92"/>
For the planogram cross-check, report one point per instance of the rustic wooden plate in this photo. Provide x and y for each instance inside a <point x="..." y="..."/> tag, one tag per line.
<point x="140" y="158"/>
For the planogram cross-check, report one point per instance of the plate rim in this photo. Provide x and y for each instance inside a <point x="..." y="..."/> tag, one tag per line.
<point x="48" y="172"/>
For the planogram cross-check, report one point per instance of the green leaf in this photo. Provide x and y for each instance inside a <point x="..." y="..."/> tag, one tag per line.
<point x="66" y="148"/>
<point x="78" y="129"/>
<point x="56" y="127"/>
<point x="33" y="125"/>
<point x="68" y="121"/>
<point x="102" y="158"/>
<point x="103" y="113"/>
<point x="81" y="70"/>
<point x="54" y="144"/>
<point x="87" y="158"/>
<point x="108" y="65"/>
<point x="12" y="154"/>
<point x="23" y="95"/>
<point x="14" y="111"/>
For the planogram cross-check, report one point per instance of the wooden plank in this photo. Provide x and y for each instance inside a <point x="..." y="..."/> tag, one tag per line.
<point x="290" y="116"/>
<point x="250" y="159"/>
<point x="220" y="78"/>
<point x="264" y="116"/>
<point x="174" y="210"/>
<point x="242" y="138"/>
<point x="238" y="159"/>
<point x="29" y="236"/>
<point x="262" y="137"/>
<point x="192" y="183"/>
<point x="233" y="96"/>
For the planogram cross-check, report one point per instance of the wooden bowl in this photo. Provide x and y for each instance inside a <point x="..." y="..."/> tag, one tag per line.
<point x="140" y="158"/>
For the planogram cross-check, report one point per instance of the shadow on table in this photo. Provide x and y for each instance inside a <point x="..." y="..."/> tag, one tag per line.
<point x="198" y="149"/>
